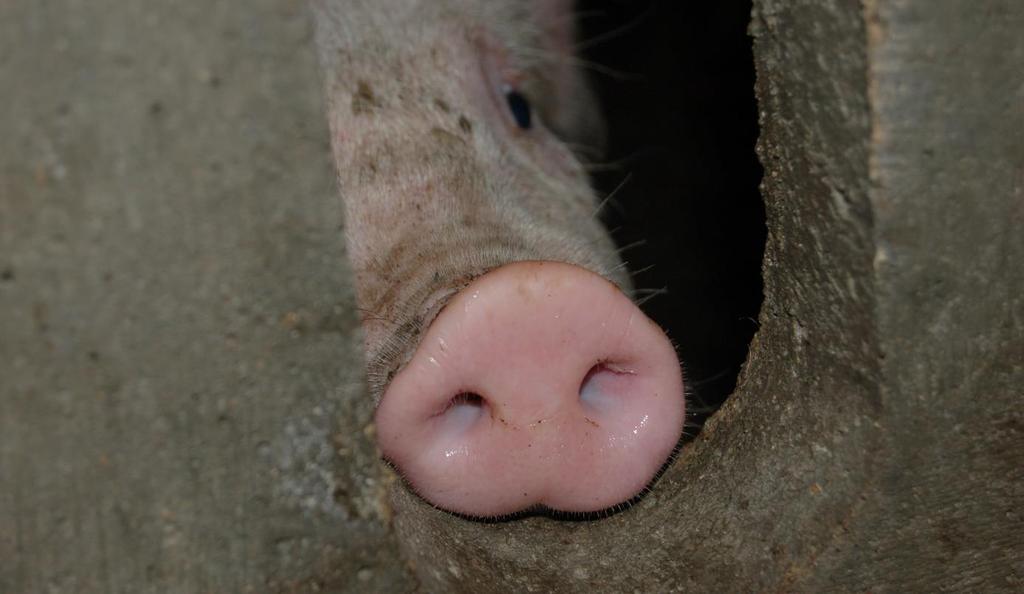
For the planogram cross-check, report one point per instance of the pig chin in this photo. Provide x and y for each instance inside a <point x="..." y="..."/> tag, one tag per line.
<point x="511" y="370"/>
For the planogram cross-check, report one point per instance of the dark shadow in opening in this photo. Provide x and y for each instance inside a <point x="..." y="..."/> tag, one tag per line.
<point x="678" y="96"/>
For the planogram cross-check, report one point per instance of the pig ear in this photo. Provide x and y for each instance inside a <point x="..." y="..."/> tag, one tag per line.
<point x="568" y="104"/>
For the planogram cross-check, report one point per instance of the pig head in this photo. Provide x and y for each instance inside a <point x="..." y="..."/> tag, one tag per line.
<point x="511" y="370"/>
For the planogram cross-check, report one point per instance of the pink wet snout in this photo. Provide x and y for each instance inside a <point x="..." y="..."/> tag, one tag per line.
<point x="539" y="383"/>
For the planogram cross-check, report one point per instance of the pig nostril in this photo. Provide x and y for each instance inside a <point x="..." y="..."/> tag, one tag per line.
<point x="461" y="412"/>
<point x="604" y="386"/>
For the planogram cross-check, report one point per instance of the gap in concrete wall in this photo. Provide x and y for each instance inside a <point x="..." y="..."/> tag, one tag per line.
<point x="682" y="128"/>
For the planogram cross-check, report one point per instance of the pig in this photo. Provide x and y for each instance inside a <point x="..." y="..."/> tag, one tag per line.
<point x="510" y="368"/>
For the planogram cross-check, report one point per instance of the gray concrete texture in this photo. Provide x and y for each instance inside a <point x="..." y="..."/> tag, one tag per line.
<point x="179" y="407"/>
<point x="180" y="377"/>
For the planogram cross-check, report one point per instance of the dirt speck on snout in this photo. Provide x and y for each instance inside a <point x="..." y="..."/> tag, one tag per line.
<point x="364" y="101"/>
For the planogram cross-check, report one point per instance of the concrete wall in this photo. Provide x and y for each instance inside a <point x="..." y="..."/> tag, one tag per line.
<point x="178" y="364"/>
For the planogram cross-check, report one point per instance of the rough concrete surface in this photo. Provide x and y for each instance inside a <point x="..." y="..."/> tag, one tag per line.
<point x="179" y="376"/>
<point x="180" y="390"/>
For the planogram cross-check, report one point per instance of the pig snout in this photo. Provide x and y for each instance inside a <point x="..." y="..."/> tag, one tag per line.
<point x="539" y="384"/>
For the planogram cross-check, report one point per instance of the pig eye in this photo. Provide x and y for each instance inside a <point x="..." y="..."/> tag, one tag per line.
<point x="519" y="107"/>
